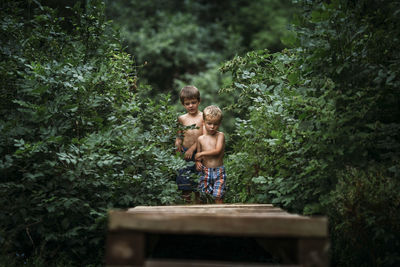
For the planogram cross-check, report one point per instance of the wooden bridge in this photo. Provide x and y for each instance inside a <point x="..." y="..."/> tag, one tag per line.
<point x="215" y="235"/>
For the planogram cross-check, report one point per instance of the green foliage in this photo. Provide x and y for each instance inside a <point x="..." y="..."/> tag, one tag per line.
<point x="278" y="146"/>
<point x="176" y="38"/>
<point x="77" y="135"/>
<point x="364" y="217"/>
<point x="315" y="117"/>
<point x="262" y="24"/>
<point x="317" y="127"/>
<point x="170" y="37"/>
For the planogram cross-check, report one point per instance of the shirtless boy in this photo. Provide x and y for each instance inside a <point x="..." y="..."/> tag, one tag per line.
<point x="190" y="99"/>
<point x="210" y="154"/>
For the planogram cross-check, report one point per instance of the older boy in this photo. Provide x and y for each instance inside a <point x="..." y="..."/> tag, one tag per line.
<point x="190" y="99"/>
<point x="210" y="154"/>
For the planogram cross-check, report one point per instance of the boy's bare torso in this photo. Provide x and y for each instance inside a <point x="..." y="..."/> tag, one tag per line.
<point x="209" y="142"/>
<point x="190" y="136"/>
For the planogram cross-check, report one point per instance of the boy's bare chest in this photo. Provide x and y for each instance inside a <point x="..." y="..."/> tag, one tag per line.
<point x="210" y="142"/>
<point x="190" y="121"/>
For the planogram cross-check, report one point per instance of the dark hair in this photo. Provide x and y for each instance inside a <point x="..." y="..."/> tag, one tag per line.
<point x="189" y="92"/>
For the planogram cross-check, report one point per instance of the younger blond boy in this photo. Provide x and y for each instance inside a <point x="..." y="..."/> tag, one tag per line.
<point x="210" y="154"/>
<point x="190" y="99"/>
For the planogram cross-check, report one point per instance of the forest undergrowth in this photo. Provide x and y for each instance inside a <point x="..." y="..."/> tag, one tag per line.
<point x="315" y="130"/>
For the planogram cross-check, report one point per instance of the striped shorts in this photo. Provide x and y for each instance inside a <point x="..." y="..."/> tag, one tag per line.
<point x="212" y="181"/>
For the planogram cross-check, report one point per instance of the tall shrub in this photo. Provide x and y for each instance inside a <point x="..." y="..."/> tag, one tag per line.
<point x="321" y="115"/>
<point x="77" y="136"/>
<point x="282" y="154"/>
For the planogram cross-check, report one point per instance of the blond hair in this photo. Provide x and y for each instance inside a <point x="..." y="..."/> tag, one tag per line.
<point x="189" y="92"/>
<point x="212" y="112"/>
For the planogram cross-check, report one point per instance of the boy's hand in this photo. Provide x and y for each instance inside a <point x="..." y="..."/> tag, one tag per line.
<point x="178" y="144"/>
<point x="198" y="156"/>
<point x="179" y="148"/>
<point x="199" y="166"/>
<point x="189" y="154"/>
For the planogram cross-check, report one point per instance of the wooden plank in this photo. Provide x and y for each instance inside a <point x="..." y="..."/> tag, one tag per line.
<point x="209" y="222"/>
<point x="202" y="206"/>
<point x="313" y="252"/>
<point x="292" y="238"/>
<point x="125" y="248"/>
<point x="207" y="209"/>
<point x="189" y="263"/>
<point x="284" y="249"/>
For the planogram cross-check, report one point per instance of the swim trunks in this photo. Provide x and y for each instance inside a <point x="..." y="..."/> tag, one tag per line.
<point x="212" y="181"/>
<point x="183" y="179"/>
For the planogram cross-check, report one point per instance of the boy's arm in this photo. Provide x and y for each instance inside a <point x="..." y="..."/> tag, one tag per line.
<point x="189" y="152"/>
<point x="198" y="161"/>
<point x="178" y="139"/>
<point x="178" y="144"/>
<point x="219" y="147"/>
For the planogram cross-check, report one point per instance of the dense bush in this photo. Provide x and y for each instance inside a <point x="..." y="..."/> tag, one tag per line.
<point x="77" y="136"/>
<point x="281" y="156"/>
<point x="318" y="131"/>
<point x="363" y="210"/>
<point x="317" y="128"/>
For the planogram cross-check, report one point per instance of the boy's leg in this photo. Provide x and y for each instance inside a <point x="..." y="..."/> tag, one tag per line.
<point x="184" y="184"/>
<point x="197" y="198"/>
<point x="187" y="196"/>
<point x="219" y="200"/>
<point x="208" y="186"/>
<point x="203" y="186"/>
<point x="187" y="184"/>
<point x="195" y="186"/>
<point x="205" y="182"/>
<point x="219" y="185"/>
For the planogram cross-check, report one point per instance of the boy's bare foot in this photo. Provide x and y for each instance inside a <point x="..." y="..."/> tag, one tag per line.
<point x="219" y="201"/>
<point x="197" y="199"/>
<point x="187" y="196"/>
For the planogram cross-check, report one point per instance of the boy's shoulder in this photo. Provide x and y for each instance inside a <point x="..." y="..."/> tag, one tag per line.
<point x="220" y="136"/>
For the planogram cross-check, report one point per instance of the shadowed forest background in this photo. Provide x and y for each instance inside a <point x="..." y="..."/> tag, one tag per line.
<point x="89" y="102"/>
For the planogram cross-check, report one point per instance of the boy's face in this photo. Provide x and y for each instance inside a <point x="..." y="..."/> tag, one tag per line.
<point x="212" y="125"/>
<point x="191" y="105"/>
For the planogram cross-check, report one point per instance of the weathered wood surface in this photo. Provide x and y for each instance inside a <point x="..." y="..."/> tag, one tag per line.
<point x="187" y="263"/>
<point x="296" y="240"/>
<point x="229" y="219"/>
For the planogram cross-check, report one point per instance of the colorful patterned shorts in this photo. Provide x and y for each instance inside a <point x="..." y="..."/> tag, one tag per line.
<point x="212" y="181"/>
